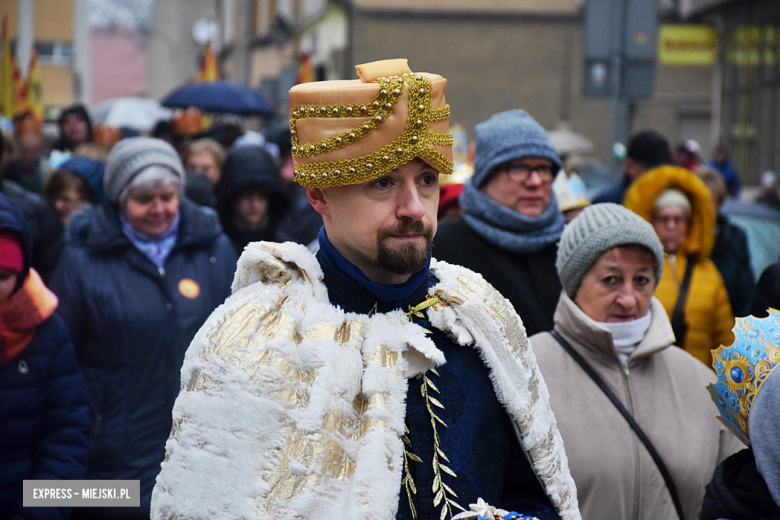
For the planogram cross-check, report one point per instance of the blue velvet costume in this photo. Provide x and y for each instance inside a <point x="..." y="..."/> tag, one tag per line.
<point x="478" y="440"/>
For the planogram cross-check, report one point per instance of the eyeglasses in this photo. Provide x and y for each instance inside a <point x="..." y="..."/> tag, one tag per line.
<point x="521" y="172"/>
<point x="672" y="219"/>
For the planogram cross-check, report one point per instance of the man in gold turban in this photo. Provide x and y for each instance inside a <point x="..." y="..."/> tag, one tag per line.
<point x="370" y="381"/>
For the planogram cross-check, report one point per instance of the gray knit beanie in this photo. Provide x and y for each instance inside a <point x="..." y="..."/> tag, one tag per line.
<point x="130" y="156"/>
<point x="596" y="230"/>
<point x="506" y="136"/>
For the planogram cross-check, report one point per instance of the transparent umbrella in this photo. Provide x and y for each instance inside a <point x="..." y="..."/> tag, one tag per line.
<point x="129" y="112"/>
<point x="568" y="142"/>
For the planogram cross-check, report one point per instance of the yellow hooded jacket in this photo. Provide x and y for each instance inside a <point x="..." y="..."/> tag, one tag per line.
<point x="707" y="309"/>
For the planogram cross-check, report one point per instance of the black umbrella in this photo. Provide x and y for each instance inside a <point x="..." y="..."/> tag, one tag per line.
<point x="218" y="96"/>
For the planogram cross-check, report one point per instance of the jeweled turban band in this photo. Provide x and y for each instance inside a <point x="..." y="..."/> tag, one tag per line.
<point x="347" y="132"/>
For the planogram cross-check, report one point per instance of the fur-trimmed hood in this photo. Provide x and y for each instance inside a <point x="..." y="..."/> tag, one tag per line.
<point x="641" y="197"/>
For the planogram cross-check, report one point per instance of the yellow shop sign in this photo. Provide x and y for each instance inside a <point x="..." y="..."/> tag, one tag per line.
<point x="687" y="45"/>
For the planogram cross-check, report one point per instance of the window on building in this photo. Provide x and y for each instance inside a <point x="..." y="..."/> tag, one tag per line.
<point x="58" y="53"/>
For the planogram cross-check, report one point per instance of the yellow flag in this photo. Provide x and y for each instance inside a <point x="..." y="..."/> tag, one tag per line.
<point x="19" y="87"/>
<point x="209" y="68"/>
<point x="7" y="87"/>
<point x="32" y="87"/>
<point x="305" y="70"/>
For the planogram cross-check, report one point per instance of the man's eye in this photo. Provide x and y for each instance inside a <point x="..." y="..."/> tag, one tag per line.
<point x="429" y="180"/>
<point x="382" y="183"/>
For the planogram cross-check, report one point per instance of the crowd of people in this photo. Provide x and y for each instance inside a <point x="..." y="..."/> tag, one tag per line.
<point x="118" y="356"/>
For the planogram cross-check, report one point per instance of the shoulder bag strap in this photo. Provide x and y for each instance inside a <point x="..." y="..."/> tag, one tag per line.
<point x="679" y="324"/>
<point x="628" y="417"/>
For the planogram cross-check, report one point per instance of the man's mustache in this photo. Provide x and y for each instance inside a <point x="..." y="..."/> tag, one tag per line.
<point x="406" y="227"/>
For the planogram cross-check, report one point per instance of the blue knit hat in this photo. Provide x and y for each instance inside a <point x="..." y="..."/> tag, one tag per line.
<point x="506" y="136"/>
<point x="91" y="170"/>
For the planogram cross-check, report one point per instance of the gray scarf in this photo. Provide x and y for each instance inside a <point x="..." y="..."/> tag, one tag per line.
<point x="507" y="228"/>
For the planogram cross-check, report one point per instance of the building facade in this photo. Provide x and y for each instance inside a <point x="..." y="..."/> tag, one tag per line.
<point x="53" y="28"/>
<point x="527" y="54"/>
<point x="497" y="55"/>
<point x="748" y="89"/>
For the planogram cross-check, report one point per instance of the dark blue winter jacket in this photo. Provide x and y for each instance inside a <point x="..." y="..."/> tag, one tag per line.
<point x="729" y="175"/>
<point x="131" y="324"/>
<point x="614" y="193"/>
<point x="44" y="417"/>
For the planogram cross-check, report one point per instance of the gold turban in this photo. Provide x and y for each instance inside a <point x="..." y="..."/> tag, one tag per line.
<point x="352" y="131"/>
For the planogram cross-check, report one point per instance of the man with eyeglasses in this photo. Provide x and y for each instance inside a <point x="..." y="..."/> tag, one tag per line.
<point x="510" y="223"/>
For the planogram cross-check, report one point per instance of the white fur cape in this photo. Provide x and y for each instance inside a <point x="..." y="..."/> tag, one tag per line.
<point x="292" y="408"/>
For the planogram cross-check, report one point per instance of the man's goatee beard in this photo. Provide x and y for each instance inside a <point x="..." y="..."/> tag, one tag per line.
<point x="409" y="258"/>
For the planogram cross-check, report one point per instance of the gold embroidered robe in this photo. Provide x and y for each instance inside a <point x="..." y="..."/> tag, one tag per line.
<point x="292" y="408"/>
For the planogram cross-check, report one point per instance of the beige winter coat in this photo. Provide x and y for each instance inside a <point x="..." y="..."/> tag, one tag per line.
<point x="663" y="387"/>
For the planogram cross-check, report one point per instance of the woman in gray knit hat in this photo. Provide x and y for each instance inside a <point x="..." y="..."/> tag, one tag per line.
<point x="609" y="262"/>
<point x="138" y="276"/>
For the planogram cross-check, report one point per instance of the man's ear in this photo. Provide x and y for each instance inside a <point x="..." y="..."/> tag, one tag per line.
<point x="317" y="200"/>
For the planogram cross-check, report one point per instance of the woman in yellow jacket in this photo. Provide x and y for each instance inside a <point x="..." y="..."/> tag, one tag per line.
<point x="678" y="205"/>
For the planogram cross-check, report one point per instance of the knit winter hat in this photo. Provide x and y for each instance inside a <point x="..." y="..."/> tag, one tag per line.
<point x="130" y="156"/>
<point x="674" y="198"/>
<point x="596" y="230"/>
<point x="11" y="256"/>
<point x="506" y="136"/>
<point x="91" y="170"/>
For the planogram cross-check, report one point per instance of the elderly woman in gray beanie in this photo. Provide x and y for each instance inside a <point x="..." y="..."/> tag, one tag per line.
<point x="138" y="276"/>
<point x="610" y="328"/>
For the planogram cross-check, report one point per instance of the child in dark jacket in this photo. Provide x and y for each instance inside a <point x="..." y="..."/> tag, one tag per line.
<point x="44" y="415"/>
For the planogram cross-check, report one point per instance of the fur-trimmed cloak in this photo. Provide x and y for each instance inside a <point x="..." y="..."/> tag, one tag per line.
<point x="292" y="408"/>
